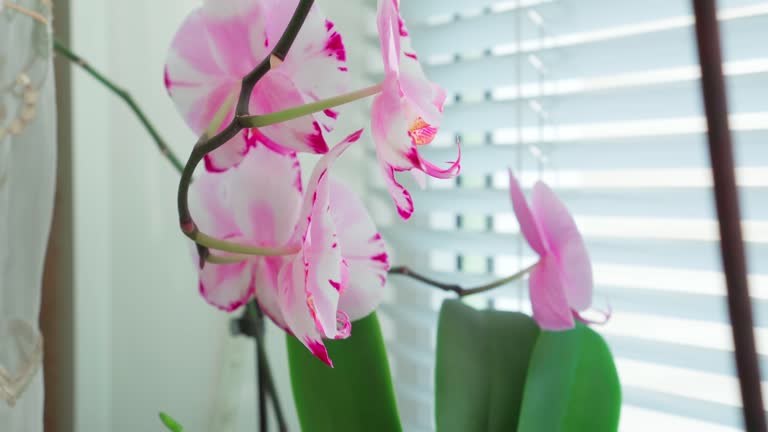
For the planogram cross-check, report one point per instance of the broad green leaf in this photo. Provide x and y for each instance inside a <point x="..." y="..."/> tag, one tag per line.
<point x="572" y="384"/>
<point x="356" y="395"/>
<point x="482" y="360"/>
<point x="170" y="423"/>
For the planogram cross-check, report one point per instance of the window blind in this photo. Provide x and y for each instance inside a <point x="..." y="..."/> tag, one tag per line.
<point x="601" y="99"/>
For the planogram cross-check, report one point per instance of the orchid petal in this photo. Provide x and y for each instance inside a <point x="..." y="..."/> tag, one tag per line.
<point x="208" y="205"/>
<point x="321" y="167"/>
<point x="389" y="129"/>
<point x="227" y="286"/>
<point x="316" y="62"/>
<point x="276" y="92"/>
<point x="265" y="195"/>
<point x="442" y="173"/>
<point x="400" y="196"/>
<point x="317" y="59"/>
<point x="322" y="261"/>
<point x="528" y="225"/>
<point x="208" y="56"/>
<point x="565" y="242"/>
<point x="296" y="310"/>
<point x="266" y="272"/>
<point x="550" y="307"/>
<point x="364" y="251"/>
<point x="388" y="22"/>
<point x="325" y="271"/>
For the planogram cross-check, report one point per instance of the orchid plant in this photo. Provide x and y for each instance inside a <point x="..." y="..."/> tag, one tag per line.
<point x="260" y="81"/>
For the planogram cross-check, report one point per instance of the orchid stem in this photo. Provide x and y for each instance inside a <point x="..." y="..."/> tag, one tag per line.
<point x="126" y="97"/>
<point x="266" y="382"/>
<point x="206" y="145"/>
<point x="458" y="289"/>
<point x="310" y="108"/>
<point x="237" y="248"/>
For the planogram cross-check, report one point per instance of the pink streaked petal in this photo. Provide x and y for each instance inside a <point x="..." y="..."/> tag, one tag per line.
<point x="264" y="196"/>
<point x="451" y="171"/>
<point x="550" y="307"/>
<point x="228" y="155"/>
<point x="388" y="22"/>
<point x="528" y="225"/>
<point x="317" y="54"/>
<point x="296" y="310"/>
<point x="227" y="286"/>
<point x="266" y="274"/>
<point x="208" y="56"/>
<point x="390" y="130"/>
<point x="276" y="92"/>
<point x="425" y="99"/>
<point x="320" y="170"/>
<point x="400" y="196"/>
<point x="565" y="243"/>
<point x="363" y="249"/>
<point x="317" y="348"/>
<point x="322" y="261"/>
<point x="209" y="207"/>
<point x="343" y="325"/>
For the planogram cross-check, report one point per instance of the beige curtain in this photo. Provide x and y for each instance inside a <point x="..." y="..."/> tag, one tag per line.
<point x="27" y="175"/>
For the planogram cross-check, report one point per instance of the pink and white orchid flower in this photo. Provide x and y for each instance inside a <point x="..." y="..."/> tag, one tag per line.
<point x="561" y="283"/>
<point x="221" y="42"/>
<point x="408" y="111"/>
<point x="338" y="274"/>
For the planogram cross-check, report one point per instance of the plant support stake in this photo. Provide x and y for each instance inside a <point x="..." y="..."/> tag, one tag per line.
<point x="727" y="200"/>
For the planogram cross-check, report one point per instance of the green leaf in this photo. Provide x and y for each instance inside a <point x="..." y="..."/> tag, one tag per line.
<point x="170" y="423"/>
<point x="356" y="395"/>
<point x="572" y="384"/>
<point x="482" y="360"/>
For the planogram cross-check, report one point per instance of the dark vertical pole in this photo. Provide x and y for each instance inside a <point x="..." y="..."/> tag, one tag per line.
<point x="263" y="415"/>
<point x="57" y="306"/>
<point x="727" y="199"/>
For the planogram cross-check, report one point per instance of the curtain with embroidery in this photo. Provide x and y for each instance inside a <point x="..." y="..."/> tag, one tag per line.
<point x="27" y="176"/>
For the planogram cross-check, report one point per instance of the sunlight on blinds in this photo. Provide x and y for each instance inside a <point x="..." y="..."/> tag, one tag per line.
<point x="599" y="98"/>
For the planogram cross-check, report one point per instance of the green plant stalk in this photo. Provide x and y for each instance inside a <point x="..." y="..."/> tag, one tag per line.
<point x="310" y="108"/>
<point x="165" y="150"/>
<point x="239" y="248"/>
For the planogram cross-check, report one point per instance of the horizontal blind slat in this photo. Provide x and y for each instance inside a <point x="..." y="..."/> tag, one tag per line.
<point x="671" y="48"/>
<point x="651" y="202"/>
<point x="747" y="93"/>
<point x="424" y="14"/>
<point x="650" y="252"/>
<point x="670" y="151"/>
<point x="562" y="17"/>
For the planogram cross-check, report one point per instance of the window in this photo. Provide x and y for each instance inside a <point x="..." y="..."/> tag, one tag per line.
<point x="601" y="99"/>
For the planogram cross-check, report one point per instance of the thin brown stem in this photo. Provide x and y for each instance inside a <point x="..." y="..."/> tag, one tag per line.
<point x="458" y="289"/>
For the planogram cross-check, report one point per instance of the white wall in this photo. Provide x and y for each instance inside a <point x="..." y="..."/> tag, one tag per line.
<point x="145" y="340"/>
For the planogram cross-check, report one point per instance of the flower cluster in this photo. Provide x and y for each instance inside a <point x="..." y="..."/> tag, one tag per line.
<point x="252" y="191"/>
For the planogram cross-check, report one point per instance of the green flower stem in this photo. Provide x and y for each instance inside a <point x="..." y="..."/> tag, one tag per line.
<point x="219" y="259"/>
<point x="126" y="97"/>
<point x="208" y="143"/>
<point x="462" y="292"/>
<point x="310" y="108"/>
<point x="239" y="248"/>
